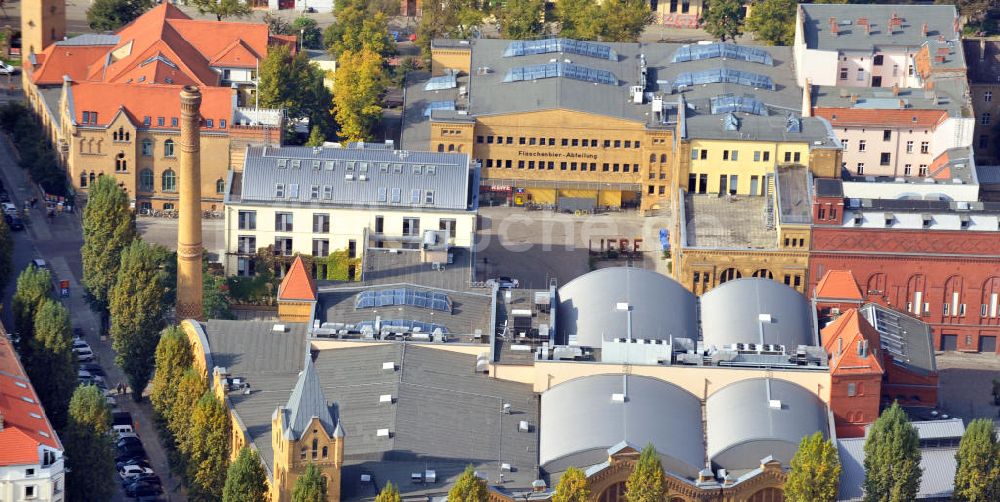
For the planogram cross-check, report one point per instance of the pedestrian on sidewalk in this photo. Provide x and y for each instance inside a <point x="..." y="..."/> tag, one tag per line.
<point x="34" y="201"/>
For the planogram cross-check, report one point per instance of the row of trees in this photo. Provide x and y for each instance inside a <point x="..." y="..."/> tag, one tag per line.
<point x="34" y="148"/>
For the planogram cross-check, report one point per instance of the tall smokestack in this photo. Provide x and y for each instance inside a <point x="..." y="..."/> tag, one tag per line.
<point x="807" y="103"/>
<point x="189" y="250"/>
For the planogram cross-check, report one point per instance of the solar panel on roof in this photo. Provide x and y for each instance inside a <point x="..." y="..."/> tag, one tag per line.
<point x="723" y="75"/>
<point x="551" y="45"/>
<point x="698" y="52"/>
<point x="403" y="296"/>
<point x="438" y="105"/>
<point x="567" y="70"/>
<point x="730" y="103"/>
<point x="447" y="81"/>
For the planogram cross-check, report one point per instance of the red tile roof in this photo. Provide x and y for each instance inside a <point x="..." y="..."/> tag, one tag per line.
<point x="838" y="284"/>
<point x="298" y="284"/>
<point x="59" y="60"/>
<point x="153" y="101"/>
<point x="878" y="118"/>
<point x="841" y="339"/>
<point x="25" y="426"/>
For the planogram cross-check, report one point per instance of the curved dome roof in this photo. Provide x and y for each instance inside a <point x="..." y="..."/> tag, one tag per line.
<point x="743" y="428"/>
<point x="730" y="314"/>
<point x="661" y="307"/>
<point x="580" y="422"/>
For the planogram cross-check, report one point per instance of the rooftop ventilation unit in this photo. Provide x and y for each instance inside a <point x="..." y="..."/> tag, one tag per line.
<point x="774" y="404"/>
<point x="506" y="467"/>
<point x="430" y="476"/>
<point x="278" y="328"/>
<point x="524" y="426"/>
<point x="366" y="478"/>
<point x="618" y="398"/>
<point x="385" y="399"/>
<point x="348" y="177"/>
<point x="382" y="433"/>
<point x="506" y="408"/>
<point x="389" y="366"/>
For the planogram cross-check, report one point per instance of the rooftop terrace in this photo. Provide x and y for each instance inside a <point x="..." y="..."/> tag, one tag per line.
<point x="727" y="222"/>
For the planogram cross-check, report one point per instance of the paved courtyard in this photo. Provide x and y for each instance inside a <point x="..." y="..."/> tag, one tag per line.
<point x="966" y="384"/>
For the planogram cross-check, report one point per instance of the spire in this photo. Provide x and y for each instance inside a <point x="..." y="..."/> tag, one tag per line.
<point x="307" y="402"/>
<point x="298" y="284"/>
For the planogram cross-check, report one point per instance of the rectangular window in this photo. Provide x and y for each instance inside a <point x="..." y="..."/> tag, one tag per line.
<point x="314" y="192"/>
<point x="843" y="74"/>
<point x="29" y="492"/>
<point x="321" y="247"/>
<point x="909" y="147"/>
<point x="694" y="154"/>
<point x="725" y="155"/>
<point x="756" y="156"/>
<point x="923" y="170"/>
<point x="283" y="222"/>
<point x="925" y="147"/>
<point x="411" y="227"/>
<point x="147" y="148"/>
<point x="861" y="74"/>
<point x="479" y="139"/>
<point x="575" y="142"/>
<point x="520" y="164"/>
<point x="173" y="121"/>
<point x="379" y="224"/>
<point x="861" y="168"/>
<point x="628" y="144"/>
<point x="247" y="220"/>
<point x="209" y="124"/>
<point x="984" y="141"/>
<point x="607" y="143"/>
<point x="279" y="190"/>
<point x="396" y="196"/>
<point x="283" y="246"/>
<point x="222" y="123"/>
<point x="908" y="170"/>
<point x="861" y="145"/>
<point x="887" y="135"/>
<point x="767" y="156"/>
<point x="449" y="225"/>
<point x="788" y="156"/>
<point x="352" y="248"/>
<point x="988" y="96"/>
<point x="565" y="142"/>
<point x="984" y="119"/>
<point x="704" y="154"/>
<point x="246" y="244"/>
<point x="821" y="213"/>
<point x="321" y="223"/>
<point x="852" y="389"/>
<point x="884" y="159"/>
<point x="160" y="121"/>
<point x="796" y="157"/>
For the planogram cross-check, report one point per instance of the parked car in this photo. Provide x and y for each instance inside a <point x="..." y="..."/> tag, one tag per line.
<point x="93" y="368"/>
<point x="14" y="223"/>
<point x="84" y="355"/>
<point x="128" y="442"/>
<point x="9" y="208"/>
<point x="80" y="344"/>
<point x="6" y="69"/>
<point x="130" y="454"/>
<point x="123" y="429"/>
<point x="112" y="402"/>
<point x="143" y="490"/>
<point x="132" y="461"/>
<point x="91" y="379"/>
<point x="504" y="282"/>
<point x="39" y="263"/>
<point x="152" y="479"/>
<point x="132" y="471"/>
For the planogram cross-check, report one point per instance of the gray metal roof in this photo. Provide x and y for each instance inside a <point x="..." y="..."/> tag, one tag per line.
<point x="308" y="402"/>
<point x="744" y="427"/>
<point x="90" y="39"/>
<point x="580" y="421"/>
<point x="908" y="340"/>
<point x="940" y="20"/>
<point x="660" y="306"/>
<point x="937" y="481"/>
<point x="730" y="314"/>
<point x="356" y="177"/>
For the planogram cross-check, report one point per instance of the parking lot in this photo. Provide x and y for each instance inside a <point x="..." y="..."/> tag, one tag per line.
<point x="536" y="246"/>
<point x="966" y="384"/>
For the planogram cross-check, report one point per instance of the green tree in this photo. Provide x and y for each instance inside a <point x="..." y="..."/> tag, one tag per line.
<point x="294" y="85"/>
<point x="389" y="493"/>
<point x="52" y="367"/>
<point x="977" y="476"/>
<point x="315" y="137"/>
<point x="724" y="19"/>
<point x="208" y="448"/>
<point x="578" y="19"/>
<point x="310" y="486"/>
<point x="469" y="488"/>
<point x="246" y="480"/>
<point x="521" y="19"/>
<point x="109" y="15"/>
<point x="137" y="313"/>
<point x="573" y="487"/>
<point x="215" y="301"/>
<point x="173" y="358"/>
<point x="190" y="388"/>
<point x="6" y="255"/>
<point x="308" y="32"/>
<point x="647" y="482"/>
<point x="90" y="454"/>
<point x="357" y="29"/>
<point x="452" y="19"/>
<point x="357" y="94"/>
<point x="223" y="8"/>
<point x="892" y="458"/>
<point x="773" y="21"/>
<point x="624" y="20"/>
<point x="34" y="286"/>
<point x="108" y="228"/>
<point x="815" y="471"/>
<point x="276" y="25"/>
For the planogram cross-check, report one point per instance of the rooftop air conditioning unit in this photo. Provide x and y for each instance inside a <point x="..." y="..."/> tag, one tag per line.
<point x="349" y="177"/>
<point x="366" y="478"/>
<point x="385" y="399"/>
<point x="278" y="328"/>
<point x="382" y="433"/>
<point x="430" y="476"/>
<point x="524" y="426"/>
<point x="505" y="467"/>
<point x="618" y="398"/>
<point x="363" y="177"/>
<point x="389" y="366"/>
<point x="774" y="404"/>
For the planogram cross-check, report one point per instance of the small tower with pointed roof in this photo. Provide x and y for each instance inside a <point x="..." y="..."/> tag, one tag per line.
<point x="296" y="294"/>
<point x="304" y="431"/>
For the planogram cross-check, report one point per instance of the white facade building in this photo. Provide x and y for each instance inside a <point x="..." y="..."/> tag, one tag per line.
<point x="316" y="201"/>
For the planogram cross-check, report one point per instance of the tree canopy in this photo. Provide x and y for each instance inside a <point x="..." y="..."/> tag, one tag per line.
<point x="173" y="358"/>
<point x="109" y="15"/>
<point x="357" y="28"/>
<point x="137" y="313"/>
<point x="469" y="488"/>
<point x="724" y="19"/>
<point x="815" y="471"/>
<point x="6" y="255"/>
<point x="389" y="493"/>
<point x="647" y="483"/>
<point x="892" y="458"/>
<point x="208" y="448"/>
<point x="977" y="475"/>
<point x="108" y="228"/>
<point x="613" y="21"/>
<point x="90" y="472"/>
<point x="357" y="94"/>
<point x="292" y="83"/>
<point x="521" y="19"/>
<point x="246" y="480"/>
<point x="308" y="32"/>
<point x="34" y="286"/>
<point x="773" y="21"/>
<point x="52" y="367"/>
<point x="310" y="486"/>
<point x="573" y="487"/>
<point x="452" y="19"/>
<point x="223" y="8"/>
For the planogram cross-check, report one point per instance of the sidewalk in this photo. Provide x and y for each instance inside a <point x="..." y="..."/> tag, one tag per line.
<point x="58" y="242"/>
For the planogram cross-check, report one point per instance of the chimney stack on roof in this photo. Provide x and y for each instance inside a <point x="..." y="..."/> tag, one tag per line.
<point x="895" y="89"/>
<point x="982" y="50"/>
<point x="923" y="29"/>
<point x="807" y="99"/>
<point x="854" y="98"/>
<point x="834" y="28"/>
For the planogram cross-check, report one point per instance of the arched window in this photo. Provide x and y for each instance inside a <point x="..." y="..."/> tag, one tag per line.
<point x="146" y="180"/>
<point x="220" y="185"/>
<point x="767" y="495"/>
<point x="169" y="181"/>
<point x="83" y="179"/>
<point x="663" y="157"/>
<point x="440" y="147"/>
<point x="120" y="163"/>
<point x="302" y="454"/>
<point x="325" y="452"/>
<point x="315" y="448"/>
<point x="652" y="157"/>
<point x="729" y="274"/>
<point x="147" y="148"/>
<point x="765" y="273"/>
<point x="613" y="493"/>
<point x="168" y="148"/>
<point x="92" y="177"/>
<point x="451" y="147"/>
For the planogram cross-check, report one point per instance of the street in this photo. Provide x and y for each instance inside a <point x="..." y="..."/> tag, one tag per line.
<point x="58" y="242"/>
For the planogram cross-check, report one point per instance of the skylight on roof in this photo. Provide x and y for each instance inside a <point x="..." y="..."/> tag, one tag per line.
<point x="438" y="105"/>
<point x="567" y="70"/>
<point x="730" y="103"/>
<point x="553" y="45"/>
<point x="723" y="75"/>
<point x="696" y="52"/>
<point x="403" y="296"/>
<point x="447" y="81"/>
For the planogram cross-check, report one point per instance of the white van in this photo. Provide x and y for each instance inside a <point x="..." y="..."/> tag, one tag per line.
<point x="123" y="429"/>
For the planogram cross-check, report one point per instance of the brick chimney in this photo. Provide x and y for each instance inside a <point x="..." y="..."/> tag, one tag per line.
<point x="895" y="89"/>
<point x="982" y="50"/>
<point x="923" y="29"/>
<point x="834" y="28"/>
<point x="189" y="237"/>
<point x="807" y="99"/>
<point x="854" y="98"/>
